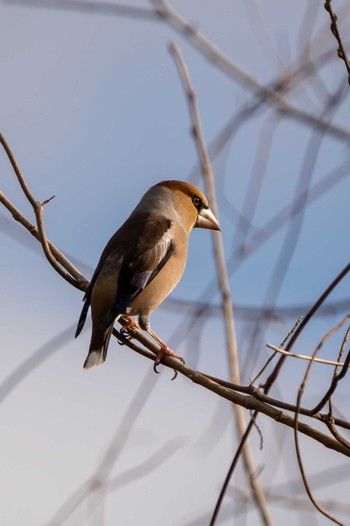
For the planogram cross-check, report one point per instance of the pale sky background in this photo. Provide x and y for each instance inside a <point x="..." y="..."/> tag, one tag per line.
<point x="94" y="110"/>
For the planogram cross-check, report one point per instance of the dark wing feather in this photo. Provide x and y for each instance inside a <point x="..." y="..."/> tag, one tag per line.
<point x="141" y="261"/>
<point x="87" y="300"/>
<point x="141" y="265"/>
<point x="82" y="317"/>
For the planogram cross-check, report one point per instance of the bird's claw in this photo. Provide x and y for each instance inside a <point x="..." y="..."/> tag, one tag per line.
<point x="166" y="352"/>
<point x="125" y="331"/>
<point x="155" y="365"/>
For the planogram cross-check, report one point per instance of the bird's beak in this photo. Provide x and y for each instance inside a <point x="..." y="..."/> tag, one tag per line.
<point x="206" y="219"/>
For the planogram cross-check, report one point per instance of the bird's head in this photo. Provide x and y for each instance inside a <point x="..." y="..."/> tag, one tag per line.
<point x="191" y="204"/>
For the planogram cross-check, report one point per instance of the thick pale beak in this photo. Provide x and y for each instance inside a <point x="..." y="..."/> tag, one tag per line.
<point x="206" y="219"/>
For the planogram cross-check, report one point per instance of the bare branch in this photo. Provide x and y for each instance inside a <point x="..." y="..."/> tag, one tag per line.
<point x="334" y="28"/>
<point x="296" y="419"/>
<point x="79" y="281"/>
<point x="58" y="263"/>
<point x="304" y="322"/>
<point x="277" y="348"/>
<point x="303" y="356"/>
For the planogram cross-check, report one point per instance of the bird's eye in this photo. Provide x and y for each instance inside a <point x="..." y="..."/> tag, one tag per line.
<point x="196" y="201"/>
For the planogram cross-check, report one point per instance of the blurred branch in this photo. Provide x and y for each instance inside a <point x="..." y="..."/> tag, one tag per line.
<point x="248" y="312"/>
<point x="307" y="172"/>
<point x="163" y="11"/>
<point x="334" y="28"/>
<point x="34" y="360"/>
<point x="231" y="341"/>
<point x="292" y="502"/>
<point x="152" y="463"/>
<point x="221" y="60"/>
<point x="291" y="78"/>
<point x="98" y="479"/>
<point x="86" y="6"/>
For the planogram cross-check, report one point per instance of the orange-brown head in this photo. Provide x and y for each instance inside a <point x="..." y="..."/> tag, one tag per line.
<point x="190" y="203"/>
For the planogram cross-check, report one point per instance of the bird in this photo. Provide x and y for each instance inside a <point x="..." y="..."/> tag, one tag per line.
<point x="142" y="263"/>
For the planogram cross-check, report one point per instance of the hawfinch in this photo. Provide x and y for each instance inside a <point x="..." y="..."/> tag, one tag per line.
<point x="142" y="263"/>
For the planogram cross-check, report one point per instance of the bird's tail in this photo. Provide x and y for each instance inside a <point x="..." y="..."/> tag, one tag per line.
<point x="97" y="353"/>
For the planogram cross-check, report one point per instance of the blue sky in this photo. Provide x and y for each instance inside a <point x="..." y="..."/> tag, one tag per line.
<point x="94" y="110"/>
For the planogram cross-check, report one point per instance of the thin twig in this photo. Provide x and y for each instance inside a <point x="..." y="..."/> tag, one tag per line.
<point x="334" y="384"/>
<point x="330" y="423"/>
<point x="269" y="382"/>
<point x="334" y="28"/>
<point x="267" y="363"/>
<point x="303" y="356"/>
<point x="296" y="419"/>
<point x="322" y="510"/>
<point x="80" y="282"/>
<point x="39" y="214"/>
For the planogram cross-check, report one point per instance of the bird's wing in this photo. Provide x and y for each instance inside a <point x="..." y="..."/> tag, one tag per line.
<point x="142" y="263"/>
<point x="142" y="257"/>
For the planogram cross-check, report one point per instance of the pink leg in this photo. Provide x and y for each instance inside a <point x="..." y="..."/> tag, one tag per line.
<point x="163" y="351"/>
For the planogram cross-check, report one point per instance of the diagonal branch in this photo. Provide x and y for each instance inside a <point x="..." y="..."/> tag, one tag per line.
<point x="163" y="11"/>
<point x="38" y="208"/>
<point x="225" y="63"/>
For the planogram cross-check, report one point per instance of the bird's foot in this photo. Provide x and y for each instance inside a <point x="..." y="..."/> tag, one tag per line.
<point x="166" y="351"/>
<point x="127" y="330"/>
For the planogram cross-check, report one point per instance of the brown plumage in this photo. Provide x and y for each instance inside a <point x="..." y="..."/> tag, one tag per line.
<point x="143" y="262"/>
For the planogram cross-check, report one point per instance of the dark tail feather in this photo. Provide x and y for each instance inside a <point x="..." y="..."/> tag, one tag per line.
<point x="82" y="318"/>
<point x="98" y="356"/>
